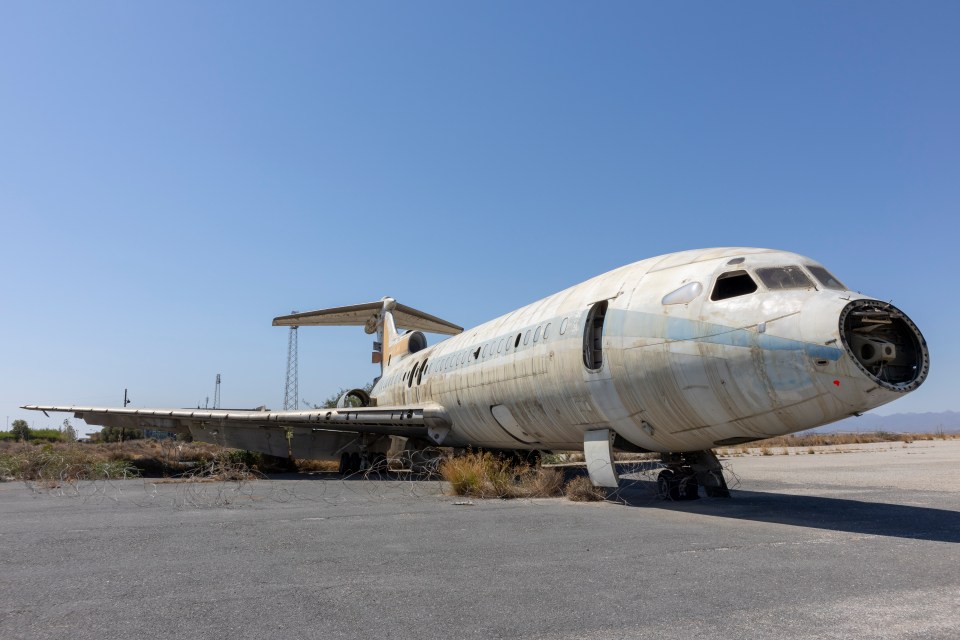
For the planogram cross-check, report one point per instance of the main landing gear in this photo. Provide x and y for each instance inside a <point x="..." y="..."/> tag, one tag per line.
<point x="356" y="462"/>
<point x="687" y="472"/>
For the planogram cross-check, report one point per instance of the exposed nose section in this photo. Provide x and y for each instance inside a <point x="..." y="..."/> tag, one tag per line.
<point x="885" y="344"/>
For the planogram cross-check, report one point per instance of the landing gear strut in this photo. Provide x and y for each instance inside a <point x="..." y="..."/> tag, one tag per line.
<point x="686" y="472"/>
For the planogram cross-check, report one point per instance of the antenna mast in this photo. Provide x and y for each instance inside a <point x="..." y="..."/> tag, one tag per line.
<point x="291" y="400"/>
<point x="216" y="394"/>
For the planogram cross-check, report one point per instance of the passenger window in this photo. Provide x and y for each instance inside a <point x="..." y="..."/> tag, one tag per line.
<point x="516" y="342"/>
<point x="826" y="278"/>
<point x="500" y="346"/>
<point x="563" y="326"/>
<point x="733" y="284"/>
<point x="546" y="330"/>
<point x="413" y="372"/>
<point x="791" y="277"/>
<point x="526" y="337"/>
<point x="536" y="335"/>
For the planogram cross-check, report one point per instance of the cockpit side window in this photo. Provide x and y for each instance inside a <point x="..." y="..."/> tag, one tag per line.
<point x="826" y="278"/>
<point x="733" y="284"/>
<point x="791" y="277"/>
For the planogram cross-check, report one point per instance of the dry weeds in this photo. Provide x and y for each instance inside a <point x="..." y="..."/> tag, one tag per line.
<point x="485" y="475"/>
<point x="580" y="489"/>
<point x="789" y="444"/>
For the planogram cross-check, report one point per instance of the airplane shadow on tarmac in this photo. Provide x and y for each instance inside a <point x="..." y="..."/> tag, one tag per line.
<point x="835" y="514"/>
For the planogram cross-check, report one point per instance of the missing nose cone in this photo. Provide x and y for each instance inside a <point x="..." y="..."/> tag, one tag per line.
<point x="885" y="344"/>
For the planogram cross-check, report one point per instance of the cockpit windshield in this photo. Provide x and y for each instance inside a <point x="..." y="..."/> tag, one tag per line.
<point x="826" y="278"/>
<point x="733" y="284"/>
<point x="791" y="277"/>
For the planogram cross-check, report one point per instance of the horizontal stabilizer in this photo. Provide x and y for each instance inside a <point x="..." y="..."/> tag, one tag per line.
<point x="363" y="314"/>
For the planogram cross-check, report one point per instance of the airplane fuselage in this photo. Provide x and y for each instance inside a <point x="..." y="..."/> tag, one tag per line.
<point x="681" y="352"/>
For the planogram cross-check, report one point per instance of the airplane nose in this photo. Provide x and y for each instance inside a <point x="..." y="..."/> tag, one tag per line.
<point x="885" y="344"/>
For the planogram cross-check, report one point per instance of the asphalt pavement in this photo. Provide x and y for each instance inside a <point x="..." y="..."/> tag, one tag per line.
<point x="834" y="545"/>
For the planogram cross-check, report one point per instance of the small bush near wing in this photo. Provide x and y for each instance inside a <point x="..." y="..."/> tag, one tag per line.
<point x="485" y="475"/>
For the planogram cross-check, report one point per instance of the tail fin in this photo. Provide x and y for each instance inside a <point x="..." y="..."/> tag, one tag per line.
<point x="383" y="318"/>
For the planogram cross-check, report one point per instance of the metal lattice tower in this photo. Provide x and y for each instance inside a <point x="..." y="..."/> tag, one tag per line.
<point x="216" y="394"/>
<point x="291" y="395"/>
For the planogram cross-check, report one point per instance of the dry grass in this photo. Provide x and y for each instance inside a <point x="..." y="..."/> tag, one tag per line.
<point x="484" y="475"/>
<point x="316" y="466"/>
<point x="789" y="444"/>
<point x="71" y="462"/>
<point x="580" y="489"/>
<point x="55" y="463"/>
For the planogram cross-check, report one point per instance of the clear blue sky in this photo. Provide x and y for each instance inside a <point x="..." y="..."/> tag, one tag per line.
<point x="174" y="175"/>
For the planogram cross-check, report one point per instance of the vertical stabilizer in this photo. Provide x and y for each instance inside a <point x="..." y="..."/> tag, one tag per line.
<point x="386" y="331"/>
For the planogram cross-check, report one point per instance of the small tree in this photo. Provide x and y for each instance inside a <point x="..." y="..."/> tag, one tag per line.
<point x="20" y="430"/>
<point x="67" y="432"/>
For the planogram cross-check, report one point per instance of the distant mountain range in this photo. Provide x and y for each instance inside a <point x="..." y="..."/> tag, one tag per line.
<point x="948" y="421"/>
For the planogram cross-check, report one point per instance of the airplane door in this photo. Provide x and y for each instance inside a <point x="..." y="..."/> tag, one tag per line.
<point x="600" y="339"/>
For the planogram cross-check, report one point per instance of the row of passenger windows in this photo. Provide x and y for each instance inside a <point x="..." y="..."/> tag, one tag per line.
<point x="490" y="349"/>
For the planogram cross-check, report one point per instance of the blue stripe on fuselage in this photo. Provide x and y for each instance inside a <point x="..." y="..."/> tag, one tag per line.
<point x="652" y="326"/>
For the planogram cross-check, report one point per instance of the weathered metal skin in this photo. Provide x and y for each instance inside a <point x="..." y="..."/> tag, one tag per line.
<point x="674" y="377"/>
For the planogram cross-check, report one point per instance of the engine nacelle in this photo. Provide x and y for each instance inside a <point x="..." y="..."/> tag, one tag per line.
<point x="359" y="394"/>
<point x="408" y="343"/>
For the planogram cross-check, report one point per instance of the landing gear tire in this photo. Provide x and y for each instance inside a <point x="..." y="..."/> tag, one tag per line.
<point x="689" y="488"/>
<point x="716" y="488"/>
<point x="677" y="486"/>
<point x="667" y="486"/>
<point x="354" y="462"/>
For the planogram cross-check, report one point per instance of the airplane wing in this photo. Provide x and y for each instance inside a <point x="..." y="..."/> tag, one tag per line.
<point x="407" y="421"/>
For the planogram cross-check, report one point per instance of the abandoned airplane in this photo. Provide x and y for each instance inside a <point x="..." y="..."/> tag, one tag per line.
<point x="675" y="354"/>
